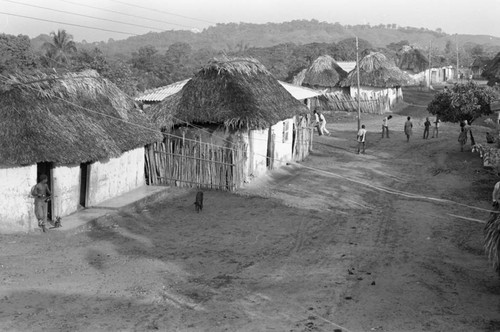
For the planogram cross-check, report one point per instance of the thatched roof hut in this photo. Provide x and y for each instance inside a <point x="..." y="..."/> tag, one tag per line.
<point x="68" y="118"/>
<point x="412" y="60"/>
<point x="492" y="70"/>
<point x="375" y="70"/>
<point x="324" y="72"/>
<point x="238" y="93"/>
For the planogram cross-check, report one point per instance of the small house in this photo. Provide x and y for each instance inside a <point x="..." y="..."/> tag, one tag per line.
<point x="380" y="82"/>
<point x="233" y="109"/>
<point x="78" y="129"/>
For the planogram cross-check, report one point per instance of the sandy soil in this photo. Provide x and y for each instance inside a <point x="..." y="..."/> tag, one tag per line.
<point x="341" y="249"/>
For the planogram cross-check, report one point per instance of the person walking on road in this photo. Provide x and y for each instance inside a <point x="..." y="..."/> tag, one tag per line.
<point x="462" y="138"/>
<point x="317" y="123"/>
<point x="385" y="126"/>
<point x="427" y="126"/>
<point x="322" y="124"/>
<point x="435" y="132"/>
<point x="408" y="129"/>
<point x="361" y="138"/>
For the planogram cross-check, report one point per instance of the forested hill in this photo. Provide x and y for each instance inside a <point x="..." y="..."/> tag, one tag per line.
<point x="236" y="37"/>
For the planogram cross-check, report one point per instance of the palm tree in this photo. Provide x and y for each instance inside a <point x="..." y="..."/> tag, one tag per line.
<point x="61" y="46"/>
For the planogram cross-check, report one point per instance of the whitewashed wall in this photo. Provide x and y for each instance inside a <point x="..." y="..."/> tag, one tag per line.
<point x="283" y="145"/>
<point x="116" y="176"/>
<point x="257" y="152"/>
<point x="66" y="190"/>
<point x="16" y="205"/>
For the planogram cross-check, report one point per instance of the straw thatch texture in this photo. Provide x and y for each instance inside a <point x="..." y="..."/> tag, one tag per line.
<point x="412" y="59"/>
<point x="53" y="118"/>
<point x="323" y="72"/>
<point x="238" y="93"/>
<point x="492" y="70"/>
<point x="377" y="71"/>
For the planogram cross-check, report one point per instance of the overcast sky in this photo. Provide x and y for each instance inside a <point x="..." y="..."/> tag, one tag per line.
<point x="453" y="16"/>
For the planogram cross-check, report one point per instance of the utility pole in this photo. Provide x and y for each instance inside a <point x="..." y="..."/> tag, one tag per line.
<point x="357" y="74"/>
<point x="456" y="40"/>
<point x="429" y="81"/>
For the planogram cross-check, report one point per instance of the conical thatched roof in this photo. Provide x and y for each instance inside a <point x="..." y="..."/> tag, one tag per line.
<point x="492" y="70"/>
<point x="238" y="93"/>
<point x="70" y="118"/>
<point x="324" y="72"/>
<point x="412" y="59"/>
<point x="480" y="62"/>
<point x="377" y="71"/>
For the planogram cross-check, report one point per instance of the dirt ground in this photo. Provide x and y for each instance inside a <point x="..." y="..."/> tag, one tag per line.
<point x="339" y="242"/>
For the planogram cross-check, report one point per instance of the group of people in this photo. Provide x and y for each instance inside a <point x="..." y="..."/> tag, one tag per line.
<point x="320" y="123"/>
<point x="408" y="128"/>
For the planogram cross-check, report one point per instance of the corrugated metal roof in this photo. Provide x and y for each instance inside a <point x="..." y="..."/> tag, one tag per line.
<point x="158" y="94"/>
<point x="348" y="66"/>
<point x="300" y="92"/>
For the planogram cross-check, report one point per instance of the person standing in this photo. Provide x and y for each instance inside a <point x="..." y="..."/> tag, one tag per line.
<point x="436" y="128"/>
<point x="317" y="123"/>
<point x="385" y="126"/>
<point x="41" y="193"/>
<point x="462" y="138"/>
<point x="408" y="128"/>
<point x="427" y="126"/>
<point x="361" y="138"/>
<point x="322" y="124"/>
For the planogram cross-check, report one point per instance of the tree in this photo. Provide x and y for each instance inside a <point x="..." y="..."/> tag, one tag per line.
<point x="16" y="54"/>
<point x="466" y="101"/>
<point x="60" y="48"/>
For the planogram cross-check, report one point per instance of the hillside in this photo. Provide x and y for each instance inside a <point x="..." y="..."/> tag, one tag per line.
<point x="233" y="37"/>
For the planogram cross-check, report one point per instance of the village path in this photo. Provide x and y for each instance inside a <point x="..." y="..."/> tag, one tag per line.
<point x="330" y="244"/>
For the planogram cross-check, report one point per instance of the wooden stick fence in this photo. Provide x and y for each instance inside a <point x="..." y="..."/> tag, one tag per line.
<point x="343" y="102"/>
<point x="188" y="162"/>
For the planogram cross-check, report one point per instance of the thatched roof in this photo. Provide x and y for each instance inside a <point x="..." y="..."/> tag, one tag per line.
<point x="68" y="118"/>
<point x="480" y="62"/>
<point x="324" y="72"/>
<point x="412" y="59"/>
<point x="377" y="71"/>
<point x="238" y="93"/>
<point x="492" y="70"/>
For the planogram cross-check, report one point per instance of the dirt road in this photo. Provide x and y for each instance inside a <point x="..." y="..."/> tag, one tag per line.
<point x="340" y="242"/>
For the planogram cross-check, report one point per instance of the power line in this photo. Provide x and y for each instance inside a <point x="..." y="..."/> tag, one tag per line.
<point x="72" y="24"/>
<point x="126" y="14"/>
<point x="162" y="11"/>
<point x="83" y="15"/>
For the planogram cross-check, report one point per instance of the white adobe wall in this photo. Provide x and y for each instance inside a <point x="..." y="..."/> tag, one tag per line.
<point x="66" y="189"/>
<point x="16" y="205"/>
<point x="283" y="145"/>
<point x="116" y="176"/>
<point x="257" y="152"/>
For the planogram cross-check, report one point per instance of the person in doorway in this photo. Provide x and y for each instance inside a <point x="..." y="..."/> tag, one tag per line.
<point x="435" y="132"/>
<point x="408" y="129"/>
<point x="361" y="138"/>
<point x="322" y="124"/>
<point x="317" y="123"/>
<point x="427" y="127"/>
<point x="385" y="126"/>
<point x="41" y="193"/>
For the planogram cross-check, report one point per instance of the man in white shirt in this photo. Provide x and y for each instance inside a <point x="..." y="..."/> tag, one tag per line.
<point x="361" y="138"/>
<point x="322" y="124"/>
<point x="317" y="123"/>
<point x="385" y="126"/>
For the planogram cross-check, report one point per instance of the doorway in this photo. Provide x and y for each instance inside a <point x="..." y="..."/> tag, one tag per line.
<point x="46" y="168"/>
<point x="84" y="183"/>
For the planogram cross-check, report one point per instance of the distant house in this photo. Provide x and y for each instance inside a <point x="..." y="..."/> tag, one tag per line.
<point x="380" y="82"/>
<point x="412" y="60"/>
<point x="478" y="65"/>
<point x="232" y="108"/>
<point x="492" y="71"/>
<point x="78" y="129"/>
